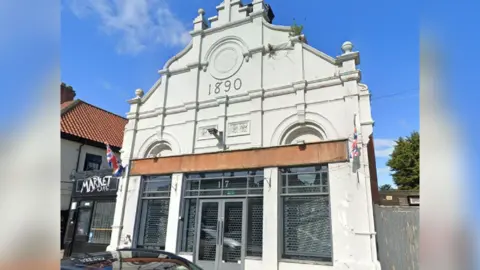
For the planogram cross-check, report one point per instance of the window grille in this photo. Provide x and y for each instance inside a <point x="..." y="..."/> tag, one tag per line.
<point x="306" y="213"/>
<point x="102" y="220"/>
<point x="154" y="212"/>
<point x="255" y="227"/>
<point x="231" y="184"/>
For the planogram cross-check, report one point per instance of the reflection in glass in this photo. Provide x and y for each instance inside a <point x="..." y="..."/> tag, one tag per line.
<point x="255" y="227"/>
<point x="190" y="216"/>
<point x="157" y="185"/>
<point x="232" y="232"/>
<point x="83" y="222"/>
<point x="208" y="232"/>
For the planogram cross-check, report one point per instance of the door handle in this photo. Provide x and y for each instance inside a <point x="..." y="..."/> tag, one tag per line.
<point x="218" y="232"/>
<point x="222" y="232"/>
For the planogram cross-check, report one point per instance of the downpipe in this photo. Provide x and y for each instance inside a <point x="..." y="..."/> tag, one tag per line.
<point x="127" y="177"/>
<point x="370" y="213"/>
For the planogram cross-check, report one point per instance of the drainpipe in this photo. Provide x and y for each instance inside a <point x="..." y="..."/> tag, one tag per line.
<point x="78" y="157"/>
<point x="68" y="248"/>
<point x="371" y="222"/>
<point x="127" y="173"/>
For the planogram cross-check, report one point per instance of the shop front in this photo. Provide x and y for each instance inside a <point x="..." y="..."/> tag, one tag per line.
<point x="90" y="220"/>
<point x="253" y="150"/>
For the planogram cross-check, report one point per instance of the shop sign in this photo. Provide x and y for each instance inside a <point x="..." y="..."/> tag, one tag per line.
<point x="97" y="184"/>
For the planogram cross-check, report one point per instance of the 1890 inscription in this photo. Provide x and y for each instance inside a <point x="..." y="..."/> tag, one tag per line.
<point x="224" y="86"/>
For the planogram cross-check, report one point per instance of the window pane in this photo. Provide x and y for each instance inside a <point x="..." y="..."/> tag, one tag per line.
<point x="102" y="221"/>
<point x="83" y="222"/>
<point x="92" y="162"/>
<point x="235" y="186"/>
<point x="237" y="182"/>
<point x="302" y="183"/>
<point x="307" y="230"/>
<point x="157" y="185"/>
<point x="325" y="178"/>
<point x="304" y="169"/>
<point x="256" y="182"/>
<point x="255" y="227"/>
<point x="214" y="186"/>
<point x="162" y="194"/>
<point x="154" y="223"/>
<point x="189" y="217"/>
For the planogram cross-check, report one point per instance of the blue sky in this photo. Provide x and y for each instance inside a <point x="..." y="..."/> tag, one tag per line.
<point x="108" y="49"/>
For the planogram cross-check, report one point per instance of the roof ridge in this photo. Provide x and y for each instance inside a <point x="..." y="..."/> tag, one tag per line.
<point x="83" y="101"/>
<point x="70" y="106"/>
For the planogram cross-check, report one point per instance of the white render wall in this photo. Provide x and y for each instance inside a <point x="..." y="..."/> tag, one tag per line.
<point x="296" y="85"/>
<point x="69" y="155"/>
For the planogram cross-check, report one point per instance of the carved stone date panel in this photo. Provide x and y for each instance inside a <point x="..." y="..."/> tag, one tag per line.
<point x="225" y="58"/>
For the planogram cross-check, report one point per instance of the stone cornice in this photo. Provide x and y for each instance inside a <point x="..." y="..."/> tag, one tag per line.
<point x="351" y="75"/>
<point x="252" y="94"/>
<point x="348" y="56"/>
<point x="320" y="54"/>
<point x="136" y="100"/>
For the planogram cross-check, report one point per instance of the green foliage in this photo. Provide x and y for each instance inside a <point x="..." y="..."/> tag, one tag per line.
<point x="386" y="187"/>
<point x="295" y="29"/>
<point x="64" y="85"/>
<point x="405" y="162"/>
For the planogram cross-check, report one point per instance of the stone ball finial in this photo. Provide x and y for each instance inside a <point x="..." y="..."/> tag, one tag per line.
<point x="347" y="47"/>
<point x="139" y="92"/>
<point x="201" y="11"/>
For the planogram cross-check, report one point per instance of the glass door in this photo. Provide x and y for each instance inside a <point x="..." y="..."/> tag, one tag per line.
<point x="221" y="234"/>
<point x="207" y="234"/>
<point x="232" y="235"/>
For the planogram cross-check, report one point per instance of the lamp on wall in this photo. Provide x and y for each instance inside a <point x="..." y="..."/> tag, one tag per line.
<point x="219" y="136"/>
<point x="213" y="131"/>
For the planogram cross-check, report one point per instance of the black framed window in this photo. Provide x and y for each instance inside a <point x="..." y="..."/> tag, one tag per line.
<point x="154" y="207"/>
<point x="92" y="162"/>
<point x="223" y="185"/>
<point x="307" y="232"/>
<point x="102" y="221"/>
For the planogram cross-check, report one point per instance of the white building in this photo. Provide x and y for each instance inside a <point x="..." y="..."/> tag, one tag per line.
<point x="239" y="152"/>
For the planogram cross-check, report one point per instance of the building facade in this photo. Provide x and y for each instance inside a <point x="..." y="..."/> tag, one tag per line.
<point x="239" y="154"/>
<point x="84" y="129"/>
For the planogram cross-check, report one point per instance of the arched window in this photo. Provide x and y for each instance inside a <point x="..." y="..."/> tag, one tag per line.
<point x="159" y="149"/>
<point x="303" y="132"/>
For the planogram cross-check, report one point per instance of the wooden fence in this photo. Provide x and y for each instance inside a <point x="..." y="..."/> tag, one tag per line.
<point x="397" y="236"/>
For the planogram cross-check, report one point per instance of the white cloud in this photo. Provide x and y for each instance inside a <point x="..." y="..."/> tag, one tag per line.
<point x="137" y="23"/>
<point x="384" y="170"/>
<point x="384" y="147"/>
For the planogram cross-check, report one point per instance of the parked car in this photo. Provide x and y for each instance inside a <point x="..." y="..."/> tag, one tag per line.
<point x="128" y="259"/>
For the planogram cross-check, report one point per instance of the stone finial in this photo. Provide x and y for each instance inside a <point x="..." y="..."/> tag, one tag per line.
<point x="139" y="93"/>
<point x="200" y="23"/>
<point x="347" y="47"/>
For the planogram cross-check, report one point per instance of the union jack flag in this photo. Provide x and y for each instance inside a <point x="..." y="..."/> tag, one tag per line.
<point x="115" y="164"/>
<point x="354" y="152"/>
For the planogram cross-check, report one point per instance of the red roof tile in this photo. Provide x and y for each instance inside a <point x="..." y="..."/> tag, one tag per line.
<point x="65" y="104"/>
<point x="86" y="121"/>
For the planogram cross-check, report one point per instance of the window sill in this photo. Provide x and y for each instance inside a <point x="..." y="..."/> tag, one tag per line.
<point x="253" y="258"/>
<point x="306" y="262"/>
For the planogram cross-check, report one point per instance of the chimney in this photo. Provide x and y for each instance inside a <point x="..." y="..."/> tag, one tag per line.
<point x="66" y="93"/>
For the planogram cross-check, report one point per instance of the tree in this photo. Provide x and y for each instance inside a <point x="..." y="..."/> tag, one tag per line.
<point x="386" y="187"/>
<point x="404" y="162"/>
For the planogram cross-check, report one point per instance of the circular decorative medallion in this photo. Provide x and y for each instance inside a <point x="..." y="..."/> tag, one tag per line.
<point x="225" y="61"/>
